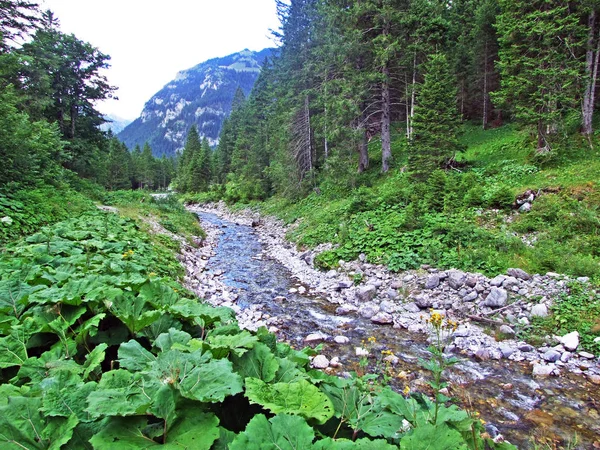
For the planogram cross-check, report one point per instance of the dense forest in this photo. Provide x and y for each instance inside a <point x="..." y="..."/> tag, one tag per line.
<point x="49" y="122"/>
<point x="351" y="73"/>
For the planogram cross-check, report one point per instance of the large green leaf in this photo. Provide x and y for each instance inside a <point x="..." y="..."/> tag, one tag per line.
<point x="166" y="340"/>
<point x="134" y="312"/>
<point x="298" y="398"/>
<point x="13" y="348"/>
<point x="64" y="396"/>
<point x="158" y="294"/>
<point x="59" y="431"/>
<point x="20" y="424"/>
<point x="345" y="444"/>
<point x="197" y="431"/>
<point x="223" y="344"/>
<point x="94" y="359"/>
<point x="125" y="394"/>
<point x="211" y="382"/>
<point x="378" y="423"/>
<point x="257" y="363"/>
<point x="282" y="432"/>
<point x="14" y="296"/>
<point x="432" y="437"/>
<point x="202" y="312"/>
<point x="133" y="356"/>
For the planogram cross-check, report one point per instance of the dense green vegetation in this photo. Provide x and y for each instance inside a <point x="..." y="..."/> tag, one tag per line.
<point x="102" y="348"/>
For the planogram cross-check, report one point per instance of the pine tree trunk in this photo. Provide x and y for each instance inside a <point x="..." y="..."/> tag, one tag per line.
<point x="363" y="153"/>
<point x="591" y="70"/>
<point x="386" y="147"/>
<point x="485" y="87"/>
<point x="413" y="95"/>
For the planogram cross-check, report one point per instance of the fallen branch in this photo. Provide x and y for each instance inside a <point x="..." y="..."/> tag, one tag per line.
<point x="501" y="309"/>
<point x="486" y="320"/>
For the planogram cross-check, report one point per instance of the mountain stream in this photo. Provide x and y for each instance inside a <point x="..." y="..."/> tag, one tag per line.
<point x="555" y="410"/>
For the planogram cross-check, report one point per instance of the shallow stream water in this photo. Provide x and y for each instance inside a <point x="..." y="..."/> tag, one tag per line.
<point x="510" y="401"/>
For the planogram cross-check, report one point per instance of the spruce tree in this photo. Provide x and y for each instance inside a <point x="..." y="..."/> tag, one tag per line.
<point x="538" y="62"/>
<point x="435" y="124"/>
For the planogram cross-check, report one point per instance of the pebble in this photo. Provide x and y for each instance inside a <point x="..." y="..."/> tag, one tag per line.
<point x="315" y="337"/>
<point x="341" y="340"/>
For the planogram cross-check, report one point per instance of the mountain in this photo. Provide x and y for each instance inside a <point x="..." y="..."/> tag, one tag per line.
<point x="115" y="124"/>
<point x="201" y="95"/>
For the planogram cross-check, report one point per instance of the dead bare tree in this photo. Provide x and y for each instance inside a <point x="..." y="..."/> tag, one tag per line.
<point x="301" y="141"/>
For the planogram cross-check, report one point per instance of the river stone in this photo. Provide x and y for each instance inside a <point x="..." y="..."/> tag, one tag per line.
<point x="368" y="310"/>
<point x="542" y="370"/>
<point x="341" y="340"/>
<point x="539" y="310"/>
<point x="456" y="279"/>
<point x="525" y="348"/>
<point x="586" y="355"/>
<point x="510" y="283"/>
<point x="345" y="309"/>
<point x="432" y="282"/>
<point x="496" y="298"/>
<point x="406" y="279"/>
<point x="391" y="293"/>
<point x="344" y="285"/>
<point x="497" y="280"/>
<point x="507" y="331"/>
<point x="482" y="354"/>
<point x="566" y="356"/>
<point x="361" y="351"/>
<point x="320" y="362"/>
<point x="583" y="279"/>
<point x="315" y="337"/>
<point x="594" y="378"/>
<point x="335" y="362"/>
<point x="552" y="355"/>
<point x="462" y="331"/>
<point x="365" y="293"/>
<point x="471" y="282"/>
<point x="507" y="350"/>
<point x="570" y="341"/>
<point x="382" y="318"/>
<point x="387" y="307"/>
<point x="412" y="307"/>
<point x="470" y="297"/>
<point x="423" y="301"/>
<point x="519" y="273"/>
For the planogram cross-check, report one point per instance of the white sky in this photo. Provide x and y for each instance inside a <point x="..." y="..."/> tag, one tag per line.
<point x="149" y="41"/>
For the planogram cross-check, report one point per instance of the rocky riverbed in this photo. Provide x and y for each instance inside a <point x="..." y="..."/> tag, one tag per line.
<point x="484" y="308"/>
<point x="246" y="264"/>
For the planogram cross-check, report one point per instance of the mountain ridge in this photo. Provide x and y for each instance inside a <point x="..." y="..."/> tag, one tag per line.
<point x="201" y="95"/>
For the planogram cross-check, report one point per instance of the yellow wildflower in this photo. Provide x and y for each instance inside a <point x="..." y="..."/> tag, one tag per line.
<point x="406" y="390"/>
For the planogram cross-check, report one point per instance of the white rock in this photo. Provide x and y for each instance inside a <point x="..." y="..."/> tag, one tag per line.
<point x="341" y="340"/>
<point x="570" y="341"/>
<point x="320" y="362"/>
<point x="539" y="310"/>
<point x="586" y="355"/>
<point x="361" y="351"/>
<point x="315" y="337"/>
<point x="541" y="370"/>
<point x="382" y="318"/>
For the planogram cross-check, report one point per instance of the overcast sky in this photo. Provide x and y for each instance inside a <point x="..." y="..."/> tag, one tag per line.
<point x="149" y="41"/>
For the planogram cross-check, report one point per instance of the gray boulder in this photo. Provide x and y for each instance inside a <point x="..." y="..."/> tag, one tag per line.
<point x="432" y="282"/>
<point x="423" y="301"/>
<point x="368" y="310"/>
<point x="497" y="280"/>
<point x="552" y="355"/>
<point x="497" y="298"/>
<point x="470" y="297"/>
<point x="519" y="273"/>
<point x="365" y="293"/>
<point x="382" y="318"/>
<point x="456" y="279"/>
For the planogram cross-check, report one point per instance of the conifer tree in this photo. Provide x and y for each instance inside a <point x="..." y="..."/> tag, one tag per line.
<point x="188" y="158"/>
<point x="435" y="124"/>
<point x="538" y="62"/>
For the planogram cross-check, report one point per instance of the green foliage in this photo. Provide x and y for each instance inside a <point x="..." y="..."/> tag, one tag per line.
<point x="579" y="310"/>
<point x="100" y="346"/>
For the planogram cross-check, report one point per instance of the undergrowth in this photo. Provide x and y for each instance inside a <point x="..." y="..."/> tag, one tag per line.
<point x="101" y="348"/>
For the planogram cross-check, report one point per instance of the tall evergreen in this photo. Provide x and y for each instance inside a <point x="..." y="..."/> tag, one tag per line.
<point x="435" y="124"/>
<point x="539" y="65"/>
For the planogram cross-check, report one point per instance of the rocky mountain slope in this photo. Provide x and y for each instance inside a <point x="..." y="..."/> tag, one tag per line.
<point x="201" y="95"/>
